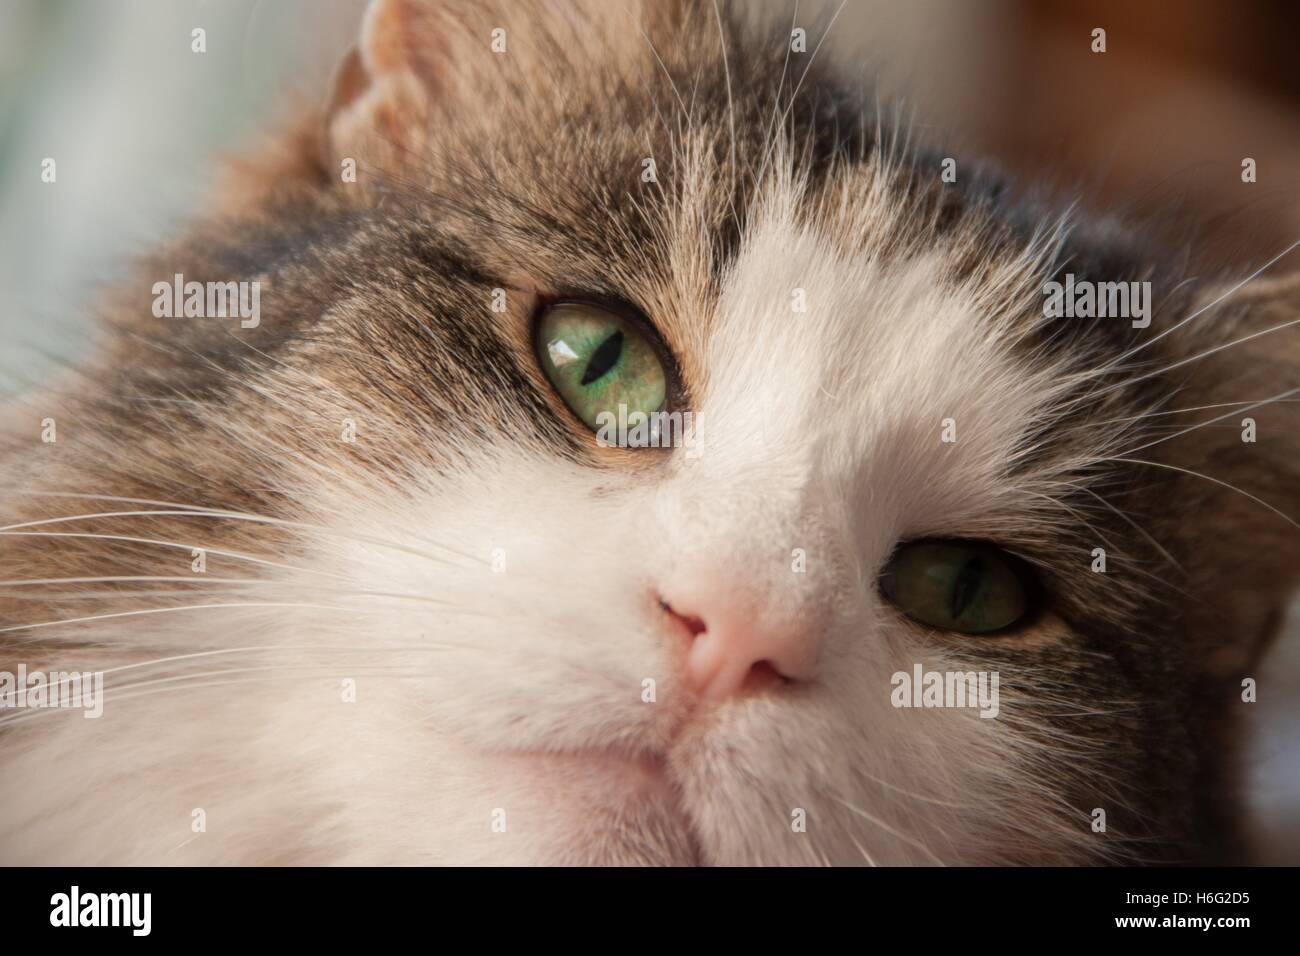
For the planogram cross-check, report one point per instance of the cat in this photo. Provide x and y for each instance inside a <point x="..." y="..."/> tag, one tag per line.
<point x="365" y="587"/>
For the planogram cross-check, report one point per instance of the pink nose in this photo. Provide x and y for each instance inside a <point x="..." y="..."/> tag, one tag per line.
<point x="733" y="649"/>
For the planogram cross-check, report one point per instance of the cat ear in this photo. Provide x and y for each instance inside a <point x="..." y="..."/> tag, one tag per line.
<point x="383" y="92"/>
<point x="1238" y="523"/>
<point x="419" y="64"/>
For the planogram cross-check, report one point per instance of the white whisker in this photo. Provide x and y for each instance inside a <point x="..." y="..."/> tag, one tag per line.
<point x="188" y="607"/>
<point x="165" y="685"/>
<point x="798" y="86"/>
<point x="206" y="582"/>
<point x="1196" y="474"/>
<point x="1183" y="411"/>
<point x="172" y="544"/>
<point x="911" y="841"/>
<point x="1233" y="414"/>
<point x="1205" y="308"/>
<point x="235" y="516"/>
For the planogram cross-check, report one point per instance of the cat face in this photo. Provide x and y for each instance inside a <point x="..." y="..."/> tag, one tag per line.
<point x="554" y="648"/>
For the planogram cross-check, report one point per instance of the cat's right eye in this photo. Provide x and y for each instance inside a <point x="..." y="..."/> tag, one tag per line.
<point x="964" y="586"/>
<point x="598" y="360"/>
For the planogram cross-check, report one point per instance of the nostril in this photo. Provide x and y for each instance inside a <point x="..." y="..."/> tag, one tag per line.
<point x="736" y="644"/>
<point x="764" y="674"/>
<point x="694" y="625"/>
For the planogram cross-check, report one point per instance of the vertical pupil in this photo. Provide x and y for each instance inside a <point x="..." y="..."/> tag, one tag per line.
<point x="604" y="358"/>
<point x="965" y="587"/>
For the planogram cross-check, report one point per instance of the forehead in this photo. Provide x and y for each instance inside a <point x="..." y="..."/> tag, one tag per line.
<point x="902" y="373"/>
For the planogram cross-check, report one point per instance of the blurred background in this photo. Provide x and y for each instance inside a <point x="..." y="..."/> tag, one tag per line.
<point x="1155" y="128"/>
<point x="136" y="124"/>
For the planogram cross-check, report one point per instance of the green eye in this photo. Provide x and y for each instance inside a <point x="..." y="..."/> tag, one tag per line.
<point x="959" y="586"/>
<point x="597" y="361"/>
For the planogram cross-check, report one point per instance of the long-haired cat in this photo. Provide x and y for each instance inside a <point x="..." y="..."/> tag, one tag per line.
<point x="370" y="582"/>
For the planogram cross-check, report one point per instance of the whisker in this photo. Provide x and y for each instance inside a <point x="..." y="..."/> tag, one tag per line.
<point x="188" y="607"/>
<point x="1181" y="411"/>
<point x="233" y="516"/>
<point x="785" y="67"/>
<point x="1260" y="404"/>
<point x="195" y="509"/>
<point x="910" y="794"/>
<point x="794" y="95"/>
<point x="1136" y="527"/>
<point x="206" y="581"/>
<point x="677" y="93"/>
<point x="35" y="493"/>
<point x="1207" y="307"/>
<point x="731" y="116"/>
<point x="861" y="849"/>
<point x="1196" y="474"/>
<point x="1128" y="383"/>
<point x="1073" y="512"/>
<point x="171" y="544"/>
<point x="25" y="714"/>
<point x="177" y="658"/>
<point x="911" y="841"/>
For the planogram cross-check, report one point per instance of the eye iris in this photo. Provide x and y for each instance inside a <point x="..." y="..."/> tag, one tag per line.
<point x="967" y="587"/>
<point x="598" y="361"/>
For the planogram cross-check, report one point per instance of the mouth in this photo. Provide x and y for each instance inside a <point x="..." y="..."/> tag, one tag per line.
<point x="627" y="775"/>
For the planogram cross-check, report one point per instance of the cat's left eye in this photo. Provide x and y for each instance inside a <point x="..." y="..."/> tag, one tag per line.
<point x="964" y="586"/>
<point x="599" y="360"/>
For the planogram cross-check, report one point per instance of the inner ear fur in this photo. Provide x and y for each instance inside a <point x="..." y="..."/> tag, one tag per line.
<point x="380" y="104"/>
